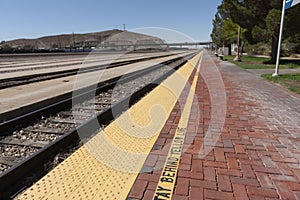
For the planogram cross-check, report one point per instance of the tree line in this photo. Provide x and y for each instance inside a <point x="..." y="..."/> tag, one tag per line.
<point x="260" y="23"/>
<point x="6" y="48"/>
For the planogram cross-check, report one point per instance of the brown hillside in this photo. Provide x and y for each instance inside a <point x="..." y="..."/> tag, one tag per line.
<point x="66" y="40"/>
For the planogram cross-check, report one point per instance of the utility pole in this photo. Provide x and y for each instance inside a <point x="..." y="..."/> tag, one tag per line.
<point x="124" y="27"/>
<point x="73" y="39"/>
<point x="59" y="43"/>
<point x="237" y="57"/>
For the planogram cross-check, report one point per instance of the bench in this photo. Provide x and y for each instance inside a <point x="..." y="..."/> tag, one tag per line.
<point x="221" y="57"/>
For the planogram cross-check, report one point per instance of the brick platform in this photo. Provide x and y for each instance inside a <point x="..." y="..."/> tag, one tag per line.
<point x="257" y="155"/>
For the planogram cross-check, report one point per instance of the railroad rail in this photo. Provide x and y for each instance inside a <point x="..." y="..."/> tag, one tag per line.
<point x="22" y="80"/>
<point x="9" y="66"/>
<point x="62" y="129"/>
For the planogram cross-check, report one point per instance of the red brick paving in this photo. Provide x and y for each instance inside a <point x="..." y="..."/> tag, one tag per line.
<point x="256" y="156"/>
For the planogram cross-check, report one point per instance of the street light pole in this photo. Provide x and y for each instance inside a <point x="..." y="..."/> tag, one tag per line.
<point x="237" y="57"/>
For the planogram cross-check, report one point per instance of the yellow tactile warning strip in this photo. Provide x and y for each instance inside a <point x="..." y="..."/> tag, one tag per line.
<point x="166" y="183"/>
<point x="107" y="166"/>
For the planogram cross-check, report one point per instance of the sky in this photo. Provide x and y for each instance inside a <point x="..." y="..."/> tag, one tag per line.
<point x="37" y="18"/>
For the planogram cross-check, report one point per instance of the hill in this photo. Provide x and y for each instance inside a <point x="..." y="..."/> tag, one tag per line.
<point x="79" y="40"/>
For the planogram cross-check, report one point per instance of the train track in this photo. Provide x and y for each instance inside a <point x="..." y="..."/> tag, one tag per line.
<point x="93" y="58"/>
<point x="7" y="64"/>
<point x="22" y="80"/>
<point x="29" y="145"/>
